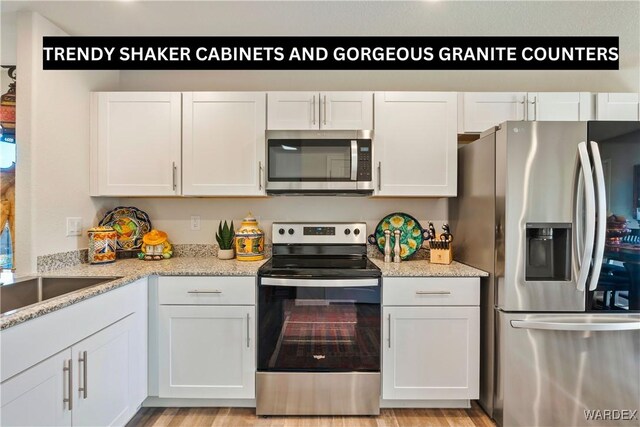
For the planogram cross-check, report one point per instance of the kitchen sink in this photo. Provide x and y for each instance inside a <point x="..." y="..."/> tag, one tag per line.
<point x="32" y="290"/>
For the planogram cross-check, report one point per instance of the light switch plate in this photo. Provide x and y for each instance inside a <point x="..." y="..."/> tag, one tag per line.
<point x="74" y="226"/>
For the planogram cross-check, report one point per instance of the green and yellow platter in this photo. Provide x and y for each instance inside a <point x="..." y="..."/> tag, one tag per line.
<point x="411" y="237"/>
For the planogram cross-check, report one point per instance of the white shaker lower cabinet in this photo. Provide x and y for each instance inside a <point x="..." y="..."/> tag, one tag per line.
<point x="431" y="349"/>
<point x="218" y="127"/>
<point x="104" y="361"/>
<point x="86" y="385"/>
<point x="100" y="376"/>
<point x="205" y="350"/>
<point x="415" y="148"/>
<point x="36" y="397"/>
<point x="618" y="106"/>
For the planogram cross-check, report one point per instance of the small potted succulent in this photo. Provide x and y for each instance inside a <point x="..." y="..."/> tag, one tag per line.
<point x="225" y="237"/>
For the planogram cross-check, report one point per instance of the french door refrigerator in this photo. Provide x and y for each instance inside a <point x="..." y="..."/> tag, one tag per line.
<point x="540" y="207"/>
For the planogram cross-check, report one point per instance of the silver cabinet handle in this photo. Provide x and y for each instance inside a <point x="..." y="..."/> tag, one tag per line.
<point x="576" y="326"/>
<point x="83" y="359"/>
<point x="601" y="216"/>
<point x="379" y="176"/>
<point x="248" y="330"/>
<point x="433" y="292"/>
<point x="68" y="368"/>
<point x="389" y="319"/>
<point x="195" y="291"/>
<point x="313" y="110"/>
<point x="173" y="176"/>
<point x="325" y="110"/>
<point x="590" y="215"/>
<point x="259" y="175"/>
<point x="535" y="108"/>
<point x="524" y="108"/>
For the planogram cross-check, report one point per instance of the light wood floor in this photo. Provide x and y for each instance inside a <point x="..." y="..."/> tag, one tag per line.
<point x="245" y="417"/>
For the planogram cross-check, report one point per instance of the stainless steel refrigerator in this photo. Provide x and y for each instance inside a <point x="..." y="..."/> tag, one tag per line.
<point x="540" y="206"/>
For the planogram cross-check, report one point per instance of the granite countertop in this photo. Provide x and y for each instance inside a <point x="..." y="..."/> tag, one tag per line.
<point x="130" y="270"/>
<point x="423" y="268"/>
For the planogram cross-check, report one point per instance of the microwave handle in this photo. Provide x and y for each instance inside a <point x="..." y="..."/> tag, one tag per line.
<point x="354" y="160"/>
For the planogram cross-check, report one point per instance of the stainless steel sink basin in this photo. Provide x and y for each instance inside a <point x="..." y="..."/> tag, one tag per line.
<point x="32" y="290"/>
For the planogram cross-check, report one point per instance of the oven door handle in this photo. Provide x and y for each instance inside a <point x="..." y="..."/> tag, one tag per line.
<point x="318" y="283"/>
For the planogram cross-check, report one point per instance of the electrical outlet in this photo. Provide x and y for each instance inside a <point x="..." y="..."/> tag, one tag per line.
<point x="195" y="222"/>
<point x="74" y="226"/>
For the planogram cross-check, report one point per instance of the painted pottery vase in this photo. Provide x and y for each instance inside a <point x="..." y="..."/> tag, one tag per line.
<point x="155" y="246"/>
<point x="102" y="245"/>
<point x="249" y="240"/>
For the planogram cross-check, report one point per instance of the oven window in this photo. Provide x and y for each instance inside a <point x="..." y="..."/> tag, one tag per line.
<point x="309" y="160"/>
<point x="318" y="329"/>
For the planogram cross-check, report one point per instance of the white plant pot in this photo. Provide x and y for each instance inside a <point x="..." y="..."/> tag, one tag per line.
<point x="226" y="254"/>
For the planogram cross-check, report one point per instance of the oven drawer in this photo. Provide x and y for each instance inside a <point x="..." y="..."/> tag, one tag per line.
<point x="206" y="290"/>
<point x="431" y="291"/>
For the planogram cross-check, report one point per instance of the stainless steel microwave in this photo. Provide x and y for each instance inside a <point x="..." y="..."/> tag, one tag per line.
<point x="319" y="163"/>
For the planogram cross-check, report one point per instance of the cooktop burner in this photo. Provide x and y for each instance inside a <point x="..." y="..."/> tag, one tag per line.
<point x="320" y="251"/>
<point x="319" y="267"/>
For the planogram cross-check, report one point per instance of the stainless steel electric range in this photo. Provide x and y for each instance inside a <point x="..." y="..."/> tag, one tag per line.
<point x="318" y="323"/>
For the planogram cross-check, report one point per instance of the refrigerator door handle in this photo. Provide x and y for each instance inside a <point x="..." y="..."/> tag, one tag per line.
<point x="576" y="326"/>
<point x="601" y="216"/>
<point x="590" y="213"/>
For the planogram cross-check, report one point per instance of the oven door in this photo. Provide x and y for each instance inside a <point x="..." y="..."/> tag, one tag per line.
<point x="312" y="164"/>
<point x="307" y="325"/>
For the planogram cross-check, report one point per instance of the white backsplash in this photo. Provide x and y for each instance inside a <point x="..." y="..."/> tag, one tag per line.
<point x="174" y="215"/>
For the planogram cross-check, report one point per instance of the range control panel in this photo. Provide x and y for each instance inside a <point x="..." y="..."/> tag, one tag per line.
<point x="318" y="233"/>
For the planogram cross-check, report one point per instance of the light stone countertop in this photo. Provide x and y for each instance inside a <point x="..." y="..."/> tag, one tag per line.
<point x="130" y="270"/>
<point x="423" y="268"/>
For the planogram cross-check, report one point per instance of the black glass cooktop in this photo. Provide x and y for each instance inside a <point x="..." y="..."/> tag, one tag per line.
<point x="322" y="267"/>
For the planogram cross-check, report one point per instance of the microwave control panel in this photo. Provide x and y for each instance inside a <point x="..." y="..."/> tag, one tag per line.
<point x="364" y="160"/>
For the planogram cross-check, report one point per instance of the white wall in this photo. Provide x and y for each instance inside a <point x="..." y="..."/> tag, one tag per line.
<point x="53" y="147"/>
<point x="174" y="215"/>
<point x="445" y="18"/>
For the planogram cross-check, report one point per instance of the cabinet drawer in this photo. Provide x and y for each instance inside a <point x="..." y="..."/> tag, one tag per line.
<point x="431" y="291"/>
<point x="206" y="290"/>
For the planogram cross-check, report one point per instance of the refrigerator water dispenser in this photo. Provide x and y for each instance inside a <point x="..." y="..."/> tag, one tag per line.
<point x="548" y="252"/>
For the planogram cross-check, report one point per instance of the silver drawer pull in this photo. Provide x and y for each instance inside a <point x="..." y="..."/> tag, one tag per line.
<point x="195" y="291"/>
<point x="433" y="292"/>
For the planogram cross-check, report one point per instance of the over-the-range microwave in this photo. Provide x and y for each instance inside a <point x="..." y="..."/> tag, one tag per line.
<point x="319" y="162"/>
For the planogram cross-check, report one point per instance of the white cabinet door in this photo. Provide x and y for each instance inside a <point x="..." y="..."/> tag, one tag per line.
<point x="207" y="351"/>
<point x="35" y="397"/>
<point x="135" y="144"/>
<point x="482" y="110"/>
<point x="559" y="106"/>
<point x="223" y="143"/>
<point x="431" y="353"/>
<point x="415" y="147"/>
<point x="618" y="106"/>
<point x="104" y="363"/>
<point x="293" y="110"/>
<point x="346" y="110"/>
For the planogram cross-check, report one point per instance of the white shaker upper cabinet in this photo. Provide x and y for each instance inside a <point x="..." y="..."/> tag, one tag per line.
<point x="135" y="144"/>
<point x="320" y="111"/>
<point x="415" y="148"/>
<point x="482" y="110"/>
<point x="346" y="110"/>
<point x="559" y="106"/>
<point x="618" y="106"/>
<point x="293" y="110"/>
<point x="223" y="143"/>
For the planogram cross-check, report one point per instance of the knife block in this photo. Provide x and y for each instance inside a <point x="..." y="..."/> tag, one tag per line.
<point x="440" y="256"/>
